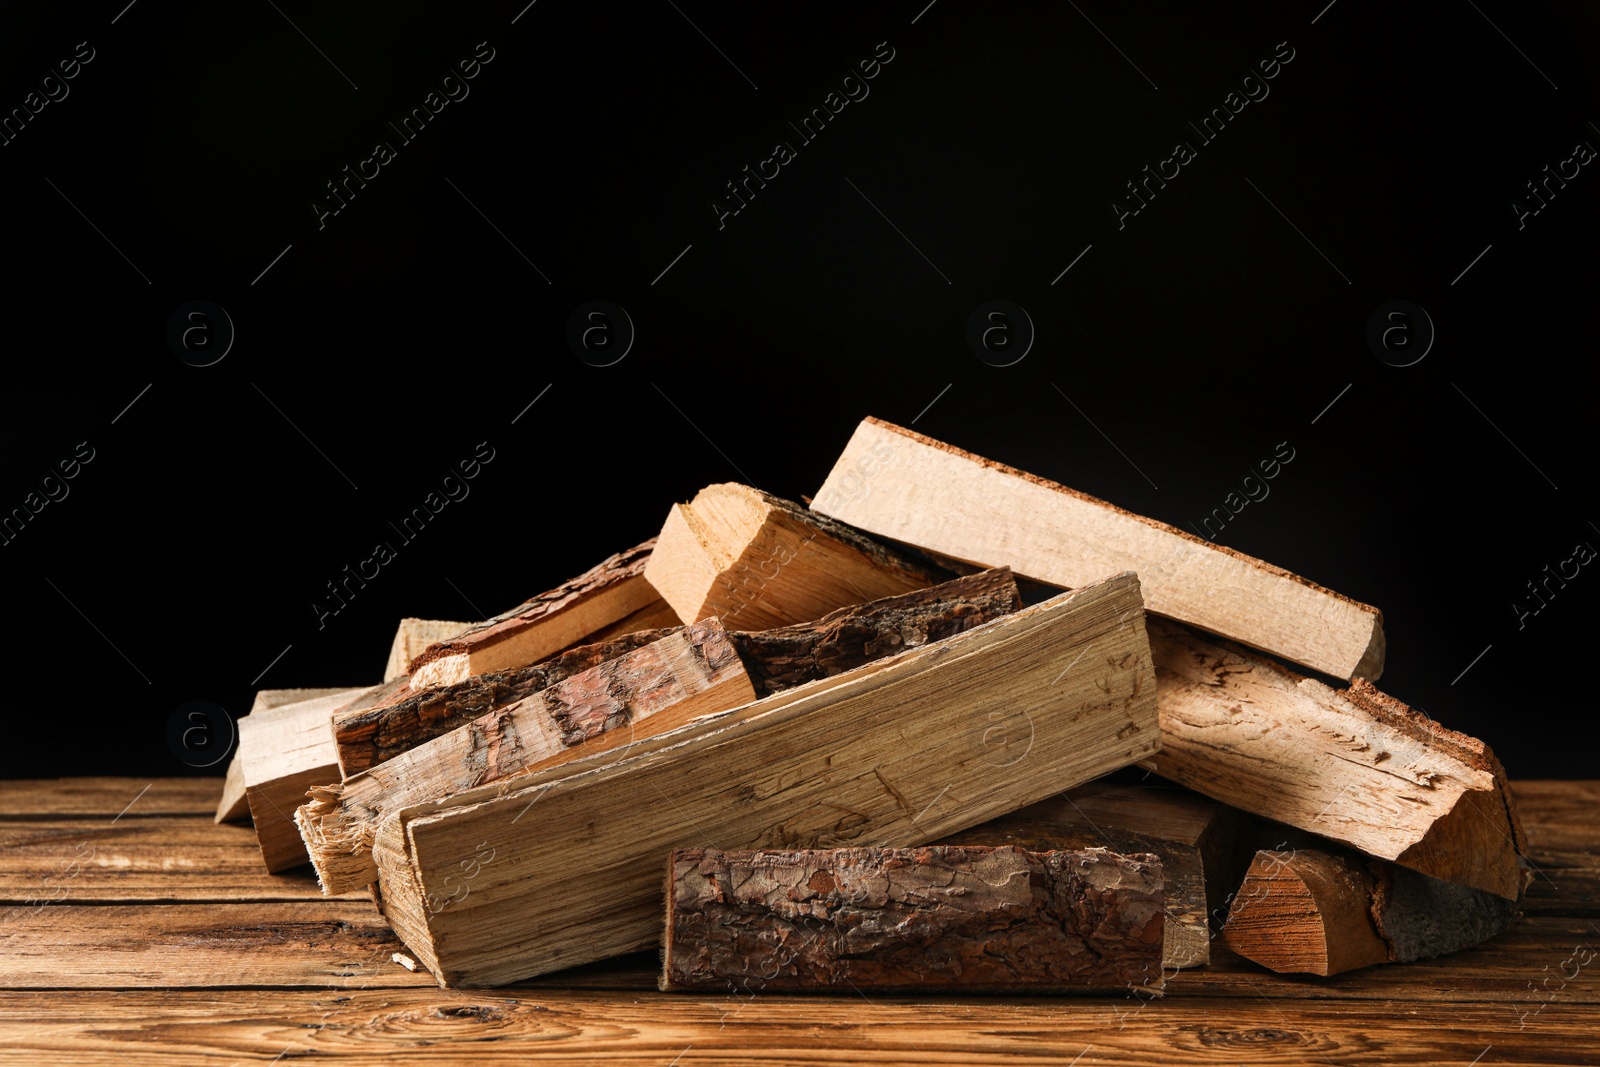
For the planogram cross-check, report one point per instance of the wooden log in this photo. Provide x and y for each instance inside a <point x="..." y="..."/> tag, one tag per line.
<point x="284" y="752"/>
<point x="775" y="659"/>
<point x="367" y="733"/>
<point x="898" y="484"/>
<point x="664" y="684"/>
<point x="1314" y="912"/>
<point x="895" y="753"/>
<point x="758" y="561"/>
<point x="610" y="591"/>
<point x="413" y="637"/>
<point x="1352" y="765"/>
<point x="1192" y="835"/>
<point x="949" y="918"/>
<point x="234" y="805"/>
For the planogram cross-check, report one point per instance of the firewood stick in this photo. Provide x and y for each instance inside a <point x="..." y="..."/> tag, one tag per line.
<point x="947" y="918"/>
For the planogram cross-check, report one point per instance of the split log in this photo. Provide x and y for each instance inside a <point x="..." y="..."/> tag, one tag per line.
<point x="650" y="690"/>
<point x="234" y="805"/>
<point x="607" y="593"/>
<point x="758" y="561"/>
<point x="948" y="918"/>
<point x="898" y="484"/>
<point x="486" y="890"/>
<point x="368" y="733"/>
<point x="1314" y="912"/>
<point x="413" y="638"/>
<point x="1193" y="836"/>
<point x="1353" y="765"/>
<point x="775" y="659"/>
<point x="285" y="752"/>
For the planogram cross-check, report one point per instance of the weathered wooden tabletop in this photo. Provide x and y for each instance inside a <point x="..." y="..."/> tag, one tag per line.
<point x="134" y="931"/>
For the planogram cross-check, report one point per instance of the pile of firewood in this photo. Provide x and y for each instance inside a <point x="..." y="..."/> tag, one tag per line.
<point x="856" y="742"/>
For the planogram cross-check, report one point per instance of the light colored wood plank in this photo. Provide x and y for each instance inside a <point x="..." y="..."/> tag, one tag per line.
<point x="483" y="1028"/>
<point x="899" y="484"/>
<point x="538" y="628"/>
<point x="285" y="752"/>
<point x="1352" y="765"/>
<point x="414" y="636"/>
<point x="757" y="561"/>
<point x="897" y="752"/>
<point x="664" y="684"/>
<point x="235" y="804"/>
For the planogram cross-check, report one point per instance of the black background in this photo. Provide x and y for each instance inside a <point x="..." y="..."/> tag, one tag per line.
<point x="380" y="349"/>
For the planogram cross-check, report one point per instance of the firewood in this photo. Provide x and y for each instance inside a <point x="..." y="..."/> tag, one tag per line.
<point x="1193" y="837"/>
<point x="758" y="561"/>
<point x="949" y="918"/>
<point x="610" y="591"/>
<point x="368" y="733"/>
<point x="284" y="752"/>
<point x="497" y="884"/>
<point x="413" y="638"/>
<point x="775" y="659"/>
<point x="898" y="484"/>
<point x="1353" y="765"/>
<point x="1314" y="912"/>
<point x="234" y="805"/>
<point x="664" y="684"/>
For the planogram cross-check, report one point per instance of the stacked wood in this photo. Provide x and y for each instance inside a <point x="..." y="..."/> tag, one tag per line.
<point x="283" y="753"/>
<point x="234" y="805"/>
<point x="758" y="561"/>
<point x="413" y="638"/>
<point x="898" y="484"/>
<point x="684" y="674"/>
<point x="1192" y="835"/>
<point x="949" y="918"/>
<point x="1317" y="912"/>
<point x="775" y="659"/>
<point x="1352" y="765"/>
<point x="496" y="884"/>
<point x="664" y="684"/>
<point x="592" y="606"/>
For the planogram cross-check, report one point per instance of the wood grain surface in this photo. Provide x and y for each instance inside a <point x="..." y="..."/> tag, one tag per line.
<point x="162" y="950"/>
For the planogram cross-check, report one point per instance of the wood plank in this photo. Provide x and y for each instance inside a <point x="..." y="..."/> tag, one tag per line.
<point x="127" y="798"/>
<point x="180" y="858"/>
<point x="235" y="803"/>
<point x="666" y="683"/>
<point x="285" y="752"/>
<point x="1562" y="830"/>
<point x="899" y="484"/>
<point x="489" y="1028"/>
<point x="944" y="918"/>
<point x="1315" y="912"/>
<point x="757" y="561"/>
<point x="1352" y="765"/>
<point x="412" y="638"/>
<point x="539" y="627"/>
<point x="899" y="751"/>
<point x="1193" y="835"/>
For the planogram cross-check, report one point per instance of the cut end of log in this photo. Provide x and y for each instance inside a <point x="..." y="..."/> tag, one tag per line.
<point x="1304" y="913"/>
<point x="334" y="847"/>
<point x="234" y="805"/>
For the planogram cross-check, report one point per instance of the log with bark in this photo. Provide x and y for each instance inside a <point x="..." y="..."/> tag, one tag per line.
<point x="664" y="684"/>
<point x="284" y="752"/>
<point x="1193" y="836"/>
<point x="898" y="484"/>
<point x="1318" y="912"/>
<point x="493" y="885"/>
<point x="758" y="561"/>
<point x="586" y="608"/>
<point x="1353" y="765"/>
<point x="775" y="659"/>
<point x="948" y="918"/>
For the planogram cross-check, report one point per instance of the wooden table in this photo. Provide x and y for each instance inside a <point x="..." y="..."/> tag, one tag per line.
<point x="134" y="931"/>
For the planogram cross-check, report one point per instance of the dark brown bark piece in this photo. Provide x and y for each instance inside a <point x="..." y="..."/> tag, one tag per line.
<point x="940" y="917"/>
